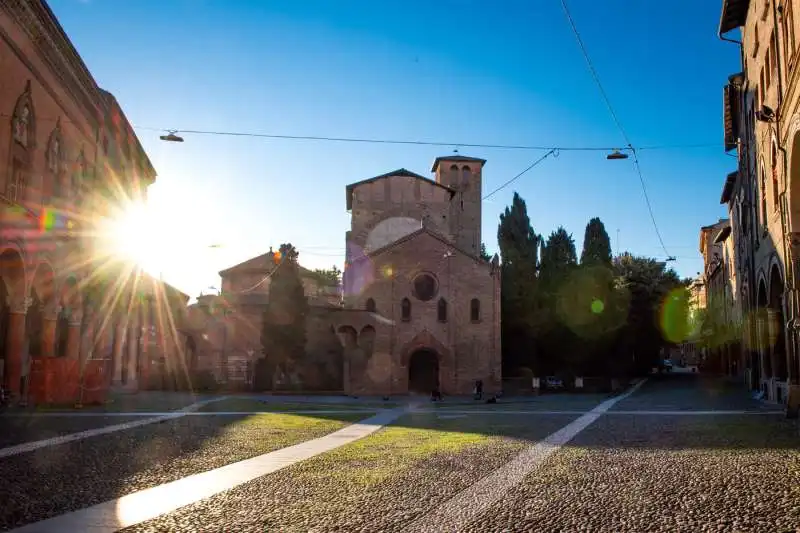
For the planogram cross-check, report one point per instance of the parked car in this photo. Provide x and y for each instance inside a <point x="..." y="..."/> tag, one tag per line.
<point x="552" y="382"/>
<point x="667" y="365"/>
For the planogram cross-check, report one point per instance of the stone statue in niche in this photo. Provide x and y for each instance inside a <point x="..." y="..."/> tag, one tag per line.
<point x="54" y="155"/>
<point x="21" y="125"/>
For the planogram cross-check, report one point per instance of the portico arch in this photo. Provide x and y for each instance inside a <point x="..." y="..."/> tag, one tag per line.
<point x="12" y="319"/>
<point x="777" y="338"/>
<point x="793" y="181"/>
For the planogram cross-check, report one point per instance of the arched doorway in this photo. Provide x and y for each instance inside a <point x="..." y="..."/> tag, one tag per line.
<point x="777" y="338"/>
<point x="423" y="372"/>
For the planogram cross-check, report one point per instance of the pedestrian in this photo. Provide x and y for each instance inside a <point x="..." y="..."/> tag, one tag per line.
<point x="479" y="389"/>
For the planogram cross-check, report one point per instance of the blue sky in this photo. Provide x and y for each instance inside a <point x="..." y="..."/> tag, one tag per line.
<point x="464" y="71"/>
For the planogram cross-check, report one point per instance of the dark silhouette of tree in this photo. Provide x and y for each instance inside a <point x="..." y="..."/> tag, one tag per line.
<point x="519" y="252"/>
<point x="596" y="245"/>
<point x="645" y="287"/>
<point x="283" y="333"/>
<point x="557" y="341"/>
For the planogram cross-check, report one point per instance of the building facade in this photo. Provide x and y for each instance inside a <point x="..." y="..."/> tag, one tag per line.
<point x="224" y="330"/>
<point x="418" y="309"/>
<point x="72" y="319"/>
<point x="762" y="123"/>
<point x="413" y="265"/>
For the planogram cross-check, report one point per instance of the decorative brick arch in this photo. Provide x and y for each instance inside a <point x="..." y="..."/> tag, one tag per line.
<point x="13" y="273"/>
<point x="792" y="179"/>
<point x="43" y="282"/>
<point x="425" y="340"/>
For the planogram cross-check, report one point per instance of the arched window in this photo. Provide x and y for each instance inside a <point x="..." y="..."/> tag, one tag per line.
<point x="774" y="161"/>
<point x="370" y="305"/>
<point x="475" y="310"/>
<point x="441" y="310"/>
<point x="466" y="176"/>
<point x="405" y="309"/>
<point x="455" y="177"/>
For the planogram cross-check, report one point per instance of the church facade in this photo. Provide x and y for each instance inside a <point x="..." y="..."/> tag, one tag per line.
<point x="421" y="306"/>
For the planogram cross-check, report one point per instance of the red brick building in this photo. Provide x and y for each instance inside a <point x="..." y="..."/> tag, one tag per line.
<point x="69" y="313"/>
<point x="430" y="305"/>
<point x="419" y="307"/>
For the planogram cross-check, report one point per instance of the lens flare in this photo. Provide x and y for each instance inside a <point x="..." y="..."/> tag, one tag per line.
<point x="674" y="316"/>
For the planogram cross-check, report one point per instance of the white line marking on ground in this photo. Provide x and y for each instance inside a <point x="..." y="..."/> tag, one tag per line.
<point x="35" y="445"/>
<point x="198" y="413"/>
<point x="649" y="413"/>
<point x="150" y="503"/>
<point x="455" y="513"/>
<point x="696" y="413"/>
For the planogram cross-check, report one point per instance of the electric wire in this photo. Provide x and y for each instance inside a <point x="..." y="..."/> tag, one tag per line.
<point x="615" y="118"/>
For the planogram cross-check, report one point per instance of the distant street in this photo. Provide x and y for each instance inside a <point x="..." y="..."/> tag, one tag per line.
<point x="656" y="460"/>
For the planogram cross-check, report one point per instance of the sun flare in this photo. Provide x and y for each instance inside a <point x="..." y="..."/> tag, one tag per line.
<point x="135" y="234"/>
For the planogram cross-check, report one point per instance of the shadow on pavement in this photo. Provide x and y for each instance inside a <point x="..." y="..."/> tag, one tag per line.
<point x="57" y="479"/>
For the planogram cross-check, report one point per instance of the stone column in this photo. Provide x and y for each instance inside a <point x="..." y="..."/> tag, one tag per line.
<point x="74" y="335"/>
<point x="116" y="353"/>
<point x="49" y="323"/>
<point x="87" y="337"/>
<point x="15" y="344"/>
<point x="133" y="349"/>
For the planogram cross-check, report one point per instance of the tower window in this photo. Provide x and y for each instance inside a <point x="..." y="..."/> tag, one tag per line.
<point x="475" y="310"/>
<point x="370" y="305"/>
<point x="405" y="310"/>
<point x="441" y="310"/>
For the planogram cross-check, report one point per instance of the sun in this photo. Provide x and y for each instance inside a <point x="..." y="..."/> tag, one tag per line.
<point x="136" y="233"/>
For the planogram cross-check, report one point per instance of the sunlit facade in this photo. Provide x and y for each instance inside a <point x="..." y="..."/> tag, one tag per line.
<point x="762" y="124"/>
<point x="75" y="319"/>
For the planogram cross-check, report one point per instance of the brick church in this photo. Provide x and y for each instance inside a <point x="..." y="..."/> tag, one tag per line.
<point x="429" y="304"/>
<point x="418" y="309"/>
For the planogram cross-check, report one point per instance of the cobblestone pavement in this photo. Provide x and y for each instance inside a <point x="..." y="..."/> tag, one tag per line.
<point x="662" y="474"/>
<point x="690" y="392"/>
<point x="19" y="428"/>
<point x="66" y="477"/>
<point x="626" y="472"/>
<point x="377" y="484"/>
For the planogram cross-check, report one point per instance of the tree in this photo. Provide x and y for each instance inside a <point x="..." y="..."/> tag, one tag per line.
<point x="592" y="317"/>
<point x="283" y="333"/>
<point x="646" y="288"/>
<point x="558" y="257"/>
<point x="519" y="252"/>
<point x="486" y="256"/>
<point x="596" y="245"/>
<point x="556" y="297"/>
<point x="329" y="276"/>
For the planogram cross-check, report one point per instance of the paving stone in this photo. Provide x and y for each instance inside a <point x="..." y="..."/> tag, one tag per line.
<point x="58" y="479"/>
